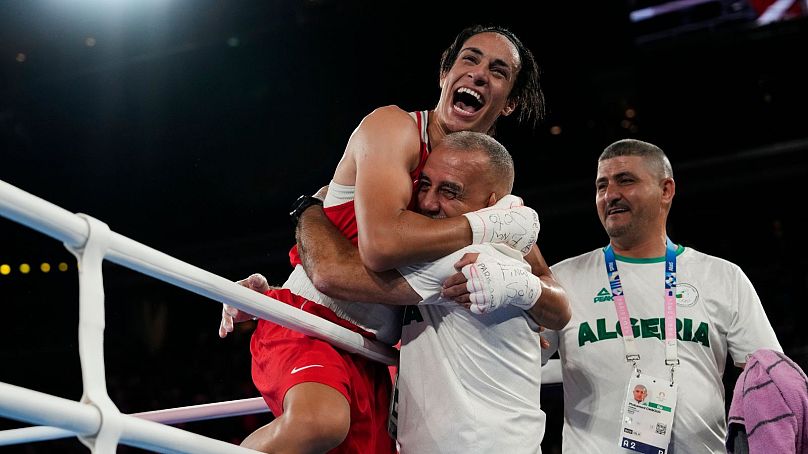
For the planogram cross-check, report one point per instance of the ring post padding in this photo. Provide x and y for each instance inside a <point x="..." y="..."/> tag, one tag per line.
<point x="91" y="336"/>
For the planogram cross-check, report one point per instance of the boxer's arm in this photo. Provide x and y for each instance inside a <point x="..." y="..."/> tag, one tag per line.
<point x="334" y="266"/>
<point x="386" y="148"/>
<point x="552" y="310"/>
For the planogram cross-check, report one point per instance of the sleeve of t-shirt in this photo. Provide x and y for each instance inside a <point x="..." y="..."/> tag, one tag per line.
<point x="750" y="328"/>
<point x="427" y="278"/>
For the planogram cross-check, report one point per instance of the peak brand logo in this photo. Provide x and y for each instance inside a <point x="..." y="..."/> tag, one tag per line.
<point x="603" y="295"/>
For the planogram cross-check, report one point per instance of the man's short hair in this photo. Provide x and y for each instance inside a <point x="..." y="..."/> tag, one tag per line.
<point x="500" y="159"/>
<point x="651" y="153"/>
<point x="526" y="90"/>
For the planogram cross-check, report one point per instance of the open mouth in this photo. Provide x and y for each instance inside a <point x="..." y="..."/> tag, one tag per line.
<point x="616" y="210"/>
<point x="468" y="100"/>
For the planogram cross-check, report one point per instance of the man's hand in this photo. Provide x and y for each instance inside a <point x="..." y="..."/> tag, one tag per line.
<point x="508" y="221"/>
<point x="543" y="342"/>
<point x="454" y="287"/>
<point x="231" y="315"/>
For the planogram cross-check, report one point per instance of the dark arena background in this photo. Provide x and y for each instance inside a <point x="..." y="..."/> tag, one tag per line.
<point x="191" y="126"/>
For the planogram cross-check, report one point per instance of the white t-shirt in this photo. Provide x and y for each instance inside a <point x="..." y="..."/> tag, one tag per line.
<point x="717" y="311"/>
<point x="467" y="383"/>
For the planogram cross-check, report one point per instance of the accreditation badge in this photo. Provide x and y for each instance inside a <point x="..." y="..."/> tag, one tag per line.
<point x="647" y="416"/>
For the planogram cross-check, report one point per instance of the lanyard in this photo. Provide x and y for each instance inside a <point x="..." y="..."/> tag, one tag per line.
<point x="632" y="355"/>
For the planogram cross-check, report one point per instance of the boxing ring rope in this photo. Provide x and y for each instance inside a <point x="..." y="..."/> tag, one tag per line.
<point x="191" y="413"/>
<point x="84" y="420"/>
<point x="95" y="419"/>
<point x="551" y="374"/>
<point x="73" y="230"/>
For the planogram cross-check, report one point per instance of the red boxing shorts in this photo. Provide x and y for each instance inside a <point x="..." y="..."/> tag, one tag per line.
<point x="283" y="358"/>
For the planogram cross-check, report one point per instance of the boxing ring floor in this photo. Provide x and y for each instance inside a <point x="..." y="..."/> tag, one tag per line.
<point x="95" y="419"/>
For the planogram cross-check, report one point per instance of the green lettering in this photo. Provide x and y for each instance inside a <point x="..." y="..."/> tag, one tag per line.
<point x="603" y="333"/>
<point x="702" y="335"/>
<point x="687" y="330"/>
<point x="412" y="314"/>
<point x="585" y="334"/>
<point x="650" y="327"/>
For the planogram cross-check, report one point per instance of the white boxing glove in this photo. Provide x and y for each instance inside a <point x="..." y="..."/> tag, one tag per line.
<point x="493" y="284"/>
<point x="508" y="222"/>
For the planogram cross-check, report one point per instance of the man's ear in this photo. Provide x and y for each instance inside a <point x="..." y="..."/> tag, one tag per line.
<point x="668" y="190"/>
<point x="492" y="199"/>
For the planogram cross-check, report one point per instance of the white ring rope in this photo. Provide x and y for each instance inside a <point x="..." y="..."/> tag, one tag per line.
<point x="96" y="420"/>
<point x="72" y="230"/>
<point x="177" y="415"/>
<point x="550" y="374"/>
<point x="85" y="420"/>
